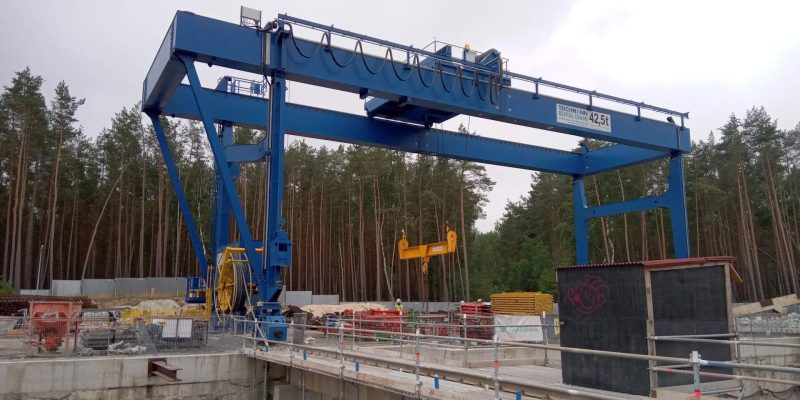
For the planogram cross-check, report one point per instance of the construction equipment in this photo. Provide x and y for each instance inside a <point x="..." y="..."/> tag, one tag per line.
<point x="414" y="88"/>
<point x="196" y="290"/>
<point x="233" y="285"/>
<point x="51" y="321"/>
<point x="425" y="252"/>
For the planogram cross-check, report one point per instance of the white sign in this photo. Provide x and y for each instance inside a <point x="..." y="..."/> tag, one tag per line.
<point x="583" y="118"/>
<point x="518" y="328"/>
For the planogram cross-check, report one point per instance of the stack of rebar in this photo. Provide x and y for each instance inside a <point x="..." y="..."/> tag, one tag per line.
<point x="478" y="318"/>
<point x="480" y="308"/>
<point x="522" y="303"/>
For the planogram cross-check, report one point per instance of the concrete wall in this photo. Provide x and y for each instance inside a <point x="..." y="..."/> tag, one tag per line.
<point x="323" y="387"/>
<point x="208" y="376"/>
<point x="769" y="355"/>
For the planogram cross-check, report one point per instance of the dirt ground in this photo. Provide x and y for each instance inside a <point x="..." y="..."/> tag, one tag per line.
<point x="113" y="302"/>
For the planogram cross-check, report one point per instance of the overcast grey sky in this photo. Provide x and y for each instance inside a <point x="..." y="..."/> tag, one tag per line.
<point x="711" y="58"/>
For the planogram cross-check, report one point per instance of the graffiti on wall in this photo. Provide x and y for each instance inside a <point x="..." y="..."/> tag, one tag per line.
<point x="588" y="295"/>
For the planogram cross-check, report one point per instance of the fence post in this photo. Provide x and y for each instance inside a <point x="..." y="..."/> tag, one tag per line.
<point x="341" y="343"/>
<point x="496" y="369"/>
<point x="416" y="356"/>
<point x="465" y="343"/>
<point x="694" y="357"/>
<point x="402" y="338"/>
<point x="544" y="332"/>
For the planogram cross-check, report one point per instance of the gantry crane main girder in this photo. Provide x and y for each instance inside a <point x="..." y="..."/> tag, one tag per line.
<point x="414" y="88"/>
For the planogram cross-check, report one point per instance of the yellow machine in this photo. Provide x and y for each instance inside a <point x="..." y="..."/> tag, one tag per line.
<point x="233" y="273"/>
<point x="425" y="252"/>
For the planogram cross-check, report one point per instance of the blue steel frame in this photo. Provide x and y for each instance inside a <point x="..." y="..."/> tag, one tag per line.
<point x="278" y="54"/>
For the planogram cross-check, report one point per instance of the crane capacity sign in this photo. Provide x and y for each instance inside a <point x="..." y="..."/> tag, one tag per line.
<point x="584" y="118"/>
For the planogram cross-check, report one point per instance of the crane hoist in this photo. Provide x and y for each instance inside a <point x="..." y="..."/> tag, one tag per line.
<point x="425" y="252"/>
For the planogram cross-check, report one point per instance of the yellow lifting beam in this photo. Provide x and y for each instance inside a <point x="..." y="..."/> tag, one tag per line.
<point x="425" y="252"/>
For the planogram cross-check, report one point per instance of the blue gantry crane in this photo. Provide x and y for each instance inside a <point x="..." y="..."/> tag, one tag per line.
<point x="407" y="90"/>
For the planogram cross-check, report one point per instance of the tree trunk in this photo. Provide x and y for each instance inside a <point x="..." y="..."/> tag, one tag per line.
<point x="602" y="223"/>
<point x="99" y="218"/>
<point x="377" y="241"/>
<point x="361" y="244"/>
<point x="624" y="219"/>
<point x="467" y="296"/>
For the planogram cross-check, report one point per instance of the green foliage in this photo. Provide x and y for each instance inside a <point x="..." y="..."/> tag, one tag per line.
<point x="743" y="199"/>
<point x="6" y="287"/>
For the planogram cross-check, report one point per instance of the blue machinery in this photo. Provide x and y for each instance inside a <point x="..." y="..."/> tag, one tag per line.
<point x="409" y="89"/>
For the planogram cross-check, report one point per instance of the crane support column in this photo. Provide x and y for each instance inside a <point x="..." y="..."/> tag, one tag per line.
<point x="224" y="171"/>
<point x="180" y="193"/>
<point x="674" y="199"/>
<point x="677" y="207"/>
<point x="581" y="220"/>
<point x="222" y="209"/>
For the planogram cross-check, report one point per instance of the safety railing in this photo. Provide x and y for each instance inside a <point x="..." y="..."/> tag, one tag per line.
<point x="343" y="340"/>
<point x="247" y="87"/>
<point x="737" y="342"/>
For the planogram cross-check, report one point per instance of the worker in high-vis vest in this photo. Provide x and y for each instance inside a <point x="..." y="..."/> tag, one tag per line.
<point x="398" y="306"/>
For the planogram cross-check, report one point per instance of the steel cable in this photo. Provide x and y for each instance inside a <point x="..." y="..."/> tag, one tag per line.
<point x="358" y="49"/>
<point x="494" y="81"/>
